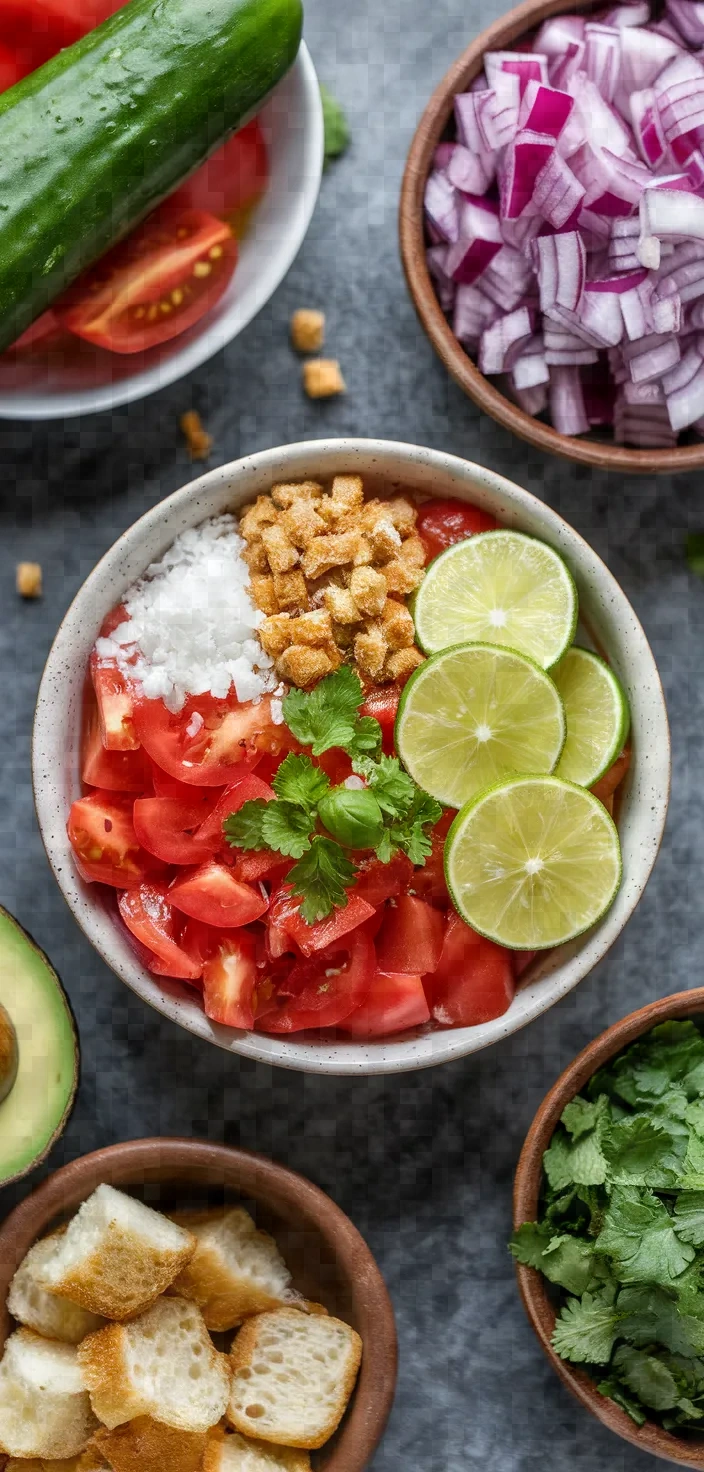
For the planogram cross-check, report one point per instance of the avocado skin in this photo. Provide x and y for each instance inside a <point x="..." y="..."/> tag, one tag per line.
<point x="23" y="937"/>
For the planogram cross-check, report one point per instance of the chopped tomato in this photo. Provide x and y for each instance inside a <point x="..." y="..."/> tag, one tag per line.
<point x="40" y="332"/>
<point x="441" y="523"/>
<point x="411" y="937"/>
<point x="211" y="894"/>
<point x="323" y="990"/>
<point x="147" y="913"/>
<point x="377" y="882"/>
<point x="246" y="789"/>
<point x="235" y="175"/>
<point x="474" y="981"/>
<point x="261" y="864"/>
<point x="428" y="881"/>
<point x="166" y="786"/>
<point x="155" y="284"/>
<point x="285" y="913"/>
<point x="208" y="744"/>
<point x="521" y="961"/>
<point x="229" y="980"/>
<point x="116" y="706"/>
<point x="166" y="827"/>
<point x="394" y="1003"/>
<point x="336" y="764"/>
<point x="114" y="771"/>
<point x="381" y="702"/>
<point x="104" y="842"/>
<point x="198" y="941"/>
<point x="606" y="786"/>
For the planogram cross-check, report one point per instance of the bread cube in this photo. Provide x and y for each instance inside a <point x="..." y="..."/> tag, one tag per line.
<point x="162" y="1364"/>
<point x="237" y="1453"/>
<point x="413" y="551"/>
<point x="304" y="666"/>
<point x="313" y="629"/>
<point x="348" y="490"/>
<point x="322" y="378"/>
<point x="253" y="521"/>
<point x="286" y="493"/>
<point x="370" y="651"/>
<point x="402" y="663"/>
<point x="324" y="553"/>
<point x="263" y="594"/>
<point x="368" y="590"/>
<point x="255" y="557"/>
<point x="302" y="523"/>
<point x="307" y="330"/>
<point x="32" y="1306"/>
<point x="363" y="555"/>
<point x="44" y="1406"/>
<point x="282" y="556"/>
<point x="402" y="514"/>
<point x="384" y="539"/>
<point x="236" y="1270"/>
<point x="275" y="634"/>
<point x="88" y="1461"/>
<point x="398" y="626"/>
<point x="402" y="577"/>
<point x="293" y="1375"/>
<point x="28" y="579"/>
<point x="145" y="1445"/>
<point x="116" y="1256"/>
<point x="341" y="606"/>
<point x="290" y="591"/>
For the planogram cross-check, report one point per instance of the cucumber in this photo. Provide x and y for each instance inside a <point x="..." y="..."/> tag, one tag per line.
<point x="94" y="139"/>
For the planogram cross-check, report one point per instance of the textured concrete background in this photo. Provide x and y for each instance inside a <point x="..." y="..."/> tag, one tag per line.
<point x="423" y="1163"/>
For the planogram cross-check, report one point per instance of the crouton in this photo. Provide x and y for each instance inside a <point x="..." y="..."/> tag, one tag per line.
<point x="322" y="378"/>
<point x="256" y="518"/>
<point x="236" y="1271"/>
<point x="348" y="490"/>
<point x="162" y="1364"/>
<point x="314" y="629"/>
<point x="402" y="515"/>
<point x="145" y="1445"/>
<point x="402" y="577"/>
<point x="242" y="1454"/>
<point x="363" y="555"/>
<point x="304" y="666"/>
<point x="370" y="651"/>
<point x="291" y="592"/>
<point x="307" y="330"/>
<point x="28" y="579"/>
<point x="302" y="523"/>
<point x="323" y="553"/>
<point x="116" y="1256"/>
<point x="52" y="1317"/>
<point x="275" y="634"/>
<point x="402" y="663"/>
<point x="44" y="1407"/>
<point x="293" y="1375"/>
<point x="398" y="626"/>
<point x="282" y="556"/>
<point x="384" y="540"/>
<point x="198" y="441"/>
<point x="255" y="557"/>
<point x="263" y="593"/>
<point x="413" y="552"/>
<point x="368" y="590"/>
<point x="286" y="493"/>
<point x="341" y="606"/>
<point x="87" y="1461"/>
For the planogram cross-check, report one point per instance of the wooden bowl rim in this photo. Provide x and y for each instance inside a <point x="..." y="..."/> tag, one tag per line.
<point x="498" y="37"/>
<point x="532" y="1286"/>
<point x="273" y="1185"/>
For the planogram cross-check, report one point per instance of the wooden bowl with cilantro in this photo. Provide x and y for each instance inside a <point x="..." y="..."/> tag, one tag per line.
<point x="609" y="1228"/>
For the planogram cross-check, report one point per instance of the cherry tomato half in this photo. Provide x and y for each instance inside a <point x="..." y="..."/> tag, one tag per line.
<point x="210" y="893"/>
<point x="474" y="981"/>
<point x="442" y="523"/>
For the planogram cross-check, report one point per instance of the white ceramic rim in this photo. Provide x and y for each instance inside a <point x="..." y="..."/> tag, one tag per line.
<point x="57" y="719"/>
<point x="224" y="329"/>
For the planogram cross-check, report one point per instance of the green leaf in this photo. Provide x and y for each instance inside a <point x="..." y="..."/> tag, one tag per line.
<point x="689" y="1217"/>
<point x="639" y="1152"/>
<point x="410" y="834"/>
<point x="692" y="1173"/>
<point x="695" y="553"/>
<point x="298" y="780"/>
<point x="571" y="1263"/>
<point x="586" y="1330"/>
<point x="321" y="876"/>
<point x="650" y="1315"/>
<point x="287" y="828"/>
<point x="613" y="1389"/>
<point x="393" y="789"/>
<point x="647" y="1377"/>
<point x="245" y="828"/>
<point x="325" y="716"/>
<point x="385" y="848"/>
<point x="529" y="1242"/>
<point x="579" y="1117"/>
<point x="335" y="129"/>
<point x="578" y="1161"/>
<point x="639" y="1237"/>
<point x="366" y="739"/>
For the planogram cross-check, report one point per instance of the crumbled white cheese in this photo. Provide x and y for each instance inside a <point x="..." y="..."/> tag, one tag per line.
<point x="192" y="625"/>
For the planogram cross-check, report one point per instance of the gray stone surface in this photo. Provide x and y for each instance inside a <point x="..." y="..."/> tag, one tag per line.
<point x="422" y="1163"/>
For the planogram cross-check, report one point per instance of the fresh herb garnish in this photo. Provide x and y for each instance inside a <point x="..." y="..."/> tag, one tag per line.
<point x="622" y="1227"/>
<point x="335" y="129"/>
<point x="321" y="877"/>
<point x="329" y="716"/>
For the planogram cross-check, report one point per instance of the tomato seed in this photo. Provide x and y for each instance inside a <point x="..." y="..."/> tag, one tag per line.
<point x="202" y="268"/>
<point x="177" y="297"/>
<point x="215" y="253"/>
<point x="108" y="825"/>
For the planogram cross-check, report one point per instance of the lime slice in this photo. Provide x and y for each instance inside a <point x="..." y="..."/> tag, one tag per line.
<point x="597" y="715"/>
<point x="475" y="714"/>
<point x="533" y="862"/>
<point x="499" y="588"/>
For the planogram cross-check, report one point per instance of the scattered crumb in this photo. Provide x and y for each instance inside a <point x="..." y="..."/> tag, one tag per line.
<point x="29" y="580"/>
<point x="308" y="330"/>
<point x="198" y="441"/>
<point x="322" y="378"/>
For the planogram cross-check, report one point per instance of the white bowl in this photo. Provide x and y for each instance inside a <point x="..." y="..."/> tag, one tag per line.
<point x="34" y="387"/>
<point x="610" y="619"/>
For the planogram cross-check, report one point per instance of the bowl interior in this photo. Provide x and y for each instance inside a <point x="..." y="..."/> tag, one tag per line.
<point x="329" y="1261"/>
<point x="41" y="386"/>
<point x="385" y="466"/>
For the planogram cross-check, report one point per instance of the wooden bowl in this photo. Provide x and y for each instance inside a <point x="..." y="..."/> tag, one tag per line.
<point x="517" y="25"/>
<point x="526" y="1192"/>
<point x="329" y="1260"/>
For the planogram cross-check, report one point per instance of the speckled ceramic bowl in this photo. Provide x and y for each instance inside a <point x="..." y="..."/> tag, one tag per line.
<point x="607" y="614"/>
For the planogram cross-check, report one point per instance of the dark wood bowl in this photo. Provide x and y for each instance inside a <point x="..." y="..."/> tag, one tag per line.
<point x="526" y="1193"/>
<point x="588" y="449"/>
<point x="330" y="1261"/>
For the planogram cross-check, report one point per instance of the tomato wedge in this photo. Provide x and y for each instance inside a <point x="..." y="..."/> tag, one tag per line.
<point x="394" y="1003"/>
<point x="114" y="771"/>
<point x="166" y="827"/>
<point x="252" y="867"/>
<point x="381" y="702"/>
<point x="377" y="882"/>
<point x="411" y="937"/>
<point x="155" y="284"/>
<point x="229" y="981"/>
<point x="147" y="913"/>
<point x="105" y="845"/>
<point x="429" y="882"/>
<point x="211" y="894"/>
<point x="285" y="915"/>
<point x="606" y="786"/>
<point x="215" y="754"/>
<point x="323" y="990"/>
<point x="442" y="523"/>
<point x="474" y="981"/>
<point x="247" y="789"/>
<point x="115" y="699"/>
<point x="234" y="176"/>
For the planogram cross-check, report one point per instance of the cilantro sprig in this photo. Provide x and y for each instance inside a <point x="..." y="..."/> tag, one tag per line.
<point x="621" y="1231"/>
<point x="317" y="824"/>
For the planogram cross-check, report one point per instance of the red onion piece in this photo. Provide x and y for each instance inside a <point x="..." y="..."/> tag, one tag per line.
<point x="557" y="33"/>
<point x="479" y="241"/>
<point x="685" y="405"/>
<point x="441" y="206"/>
<point x="688" y="17"/>
<point x="468" y="171"/>
<point x="473" y="313"/>
<point x="602" y="57"/>
<point x="567" y="409"/>
<point x="544" y="109"/>
<point x="528" y="66"/>
<point x="644" y="56"/>
<point x="557" y="193"/>
<point x="501" y="343"/>
<point x="561" y="265"/>
<point x="523" y="162"/>
<point x="647" y="127"/>
<point x="530" y="368"/>
<point x="532" y="400"/>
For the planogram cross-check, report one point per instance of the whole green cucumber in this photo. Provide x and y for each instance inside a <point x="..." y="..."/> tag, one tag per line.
<point x="94" y="139"/>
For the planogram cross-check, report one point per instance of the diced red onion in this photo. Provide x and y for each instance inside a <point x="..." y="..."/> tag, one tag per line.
<point x="479" y="241"/>
<point x="602" y="57"/>
<point x="644" y="56"/>
<point x="497" y="111"/>
<point x="532" y="400"/>
<point x="633" y="13"/>
<point x="523" y="162"/>
<point x="561" y="266"/>
<point x="508" y="279"/>
<point x="562" y="70"/>
<point x="528" y="66"/>
<point x="683" y="372"/>
<point x="557" y="33"/>
<point x="667" y="212"/>
<point x="544" y="109"/>
<point x="686" y="404"/>
<point x="441" y="206"/>
<point x="643" y="393"/>
<point x="688" y="16"/>
<point x="530" y="368"/>
<point x="473" y="313"/>
<point x="501" y="343"/>
<point x="647" y="127"/>
<point x="468" y="171"/>
<point x="651" y="357"/>
<point x="567" y="409"/>
<point x="557" y="193"/>
<point x="601" y="316"/>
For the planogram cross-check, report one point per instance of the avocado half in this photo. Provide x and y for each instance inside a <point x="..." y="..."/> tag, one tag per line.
<point x="38" y="1053"/>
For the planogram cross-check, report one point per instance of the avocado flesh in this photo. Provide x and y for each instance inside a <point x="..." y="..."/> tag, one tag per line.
<point x="38" y="1105"/>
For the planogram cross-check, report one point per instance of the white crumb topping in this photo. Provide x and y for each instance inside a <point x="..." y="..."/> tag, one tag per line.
<point x="192" y="625"/>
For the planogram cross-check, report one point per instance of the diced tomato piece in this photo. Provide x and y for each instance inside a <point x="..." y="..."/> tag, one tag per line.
<point x="442" y="523"/>
<point x="166" y="827"/>
<point x="336" y="764"/>
<point x="235" y="175"/>
<point x="211" y="894"/>
<point x="115" y="705"/>
<point x="411" y="937"/>
<point x="261" y="864"/>
<point x="474" y="980"/>
<point x="229" y="981"/>
<point x="428" y="881"/>
<point x="199" y="941"/>
<point x="44" y="328"/>
<point x="210" y="743"/>
<point x="381" y="702"/>
<point x="166" y="786"/>
<point x="285" y="913"/>
<point x="246" y="789"/>
<point x="105" y="845"/>
<point x="606" y="786"/>
<point x="323" y="990"/>
<point x="114" y="771"/>
<point x="394" y="1003"/>
<point x="117" y="615"/>
<point x="148" y="914"/>
<point x="377" y="882"/>
<point x="521" y="961"/>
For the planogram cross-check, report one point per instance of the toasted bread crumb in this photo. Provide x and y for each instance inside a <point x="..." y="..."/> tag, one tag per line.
<point x="368" y="590"/>
<point x="263" y="592"/>
<point x="322" y="378"/>
<point x="308" y="330"/>
<point x="304" y="666"/>
<point x="341" y="606"/>
<point x="285" y="493"/>
<point x="29" y="579"/>
<point x="370" y="651"/>
<point x="313" y="629"/>
<point x="290" y="592"/>
<point x="402" y="663"/>
<point x="324" y="553"/>
<point x="281" y="554"/>
<point x="398" y="625"/>
<point x="198" y="441"/>
<point x="276" y="634"/>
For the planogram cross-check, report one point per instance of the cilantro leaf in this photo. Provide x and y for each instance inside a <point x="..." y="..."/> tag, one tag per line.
<point x="409" y="834"/>
<point x="393" y="789"/>
<point x="647" y="1377"/>
<point x="335" y="128"/>
<point x="366" y="740"/>
<point x="639" y="1236"/>
<point x="614" y="1391"/>
<point x="327" y="715"/>
<point x="287" y="828"/>
<point x="688" y="1219"/>
<point x="650" y="1315"/>
<point x="529" y="1242"/>
<point x="579" y="1161"/>
<point x="579" y="1116"/>
<point x="563" y="1259"/>
<point x="386" y="847"/>
<point x="692" y="1174"/>
<point x="586" y="1330"/>
<point x="245" y="828"/>
<point x="640" y="1152"/>
<point x="321" y="876"/>
<point x="299" y="781"/>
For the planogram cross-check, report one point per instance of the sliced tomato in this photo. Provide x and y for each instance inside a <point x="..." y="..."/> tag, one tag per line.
<point x="474" y="980"/>
<point x="411" y="937"/>
<point x="234" y="176"/>
<point x="114" y="771"/>
<point x="521" y="961"/>
<point x="606" y="786"/>
<point x="116" y="705"/>
<point x="199" y="941"/>
<point x="394" y="1003"/>
<point x="211" y="894"/>
<point x="285" y="914"/>
<point x="321" y="991"/>
<point x="46" y="327"/>
<point x="246" y="789"/>
<point x="148" y="914"/>
<point x="166" y="786"/>
<point x="442" y="523"/>
<point x="336" y="764"/>
<point x="104" y="842"/>
<point x="377" y="882"/>
<point x="229" y="981"/>
<point x="428" y="881"/>
<point x="212" y="750"/>
<point x="155" y="284"/>
<point x="261" y="864"/>
<point x="166" y="827"/>
<point x="381" y="702"/>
